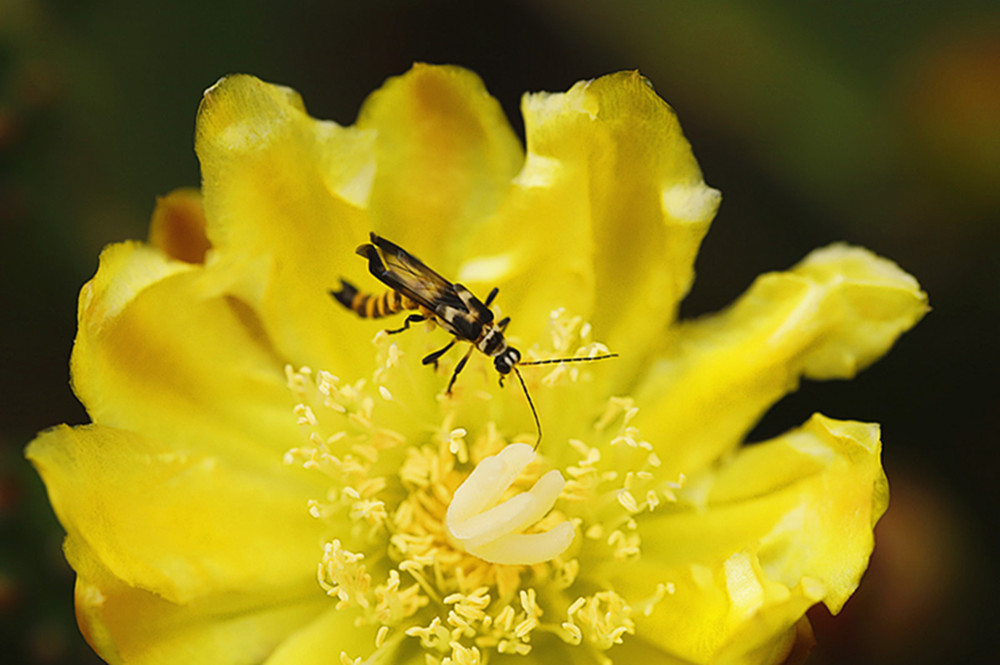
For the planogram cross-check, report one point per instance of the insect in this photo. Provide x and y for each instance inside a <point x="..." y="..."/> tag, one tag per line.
<point x="414" y="286"/>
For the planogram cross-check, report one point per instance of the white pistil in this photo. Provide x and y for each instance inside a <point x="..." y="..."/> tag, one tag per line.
<point x="493" y="533"/>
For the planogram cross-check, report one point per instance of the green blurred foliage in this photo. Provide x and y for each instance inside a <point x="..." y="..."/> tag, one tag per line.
<point x="873" y="122"/>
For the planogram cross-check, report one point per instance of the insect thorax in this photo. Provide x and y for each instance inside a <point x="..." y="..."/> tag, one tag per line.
<point x="493" y="344"/>
<point x="491" y="341"/>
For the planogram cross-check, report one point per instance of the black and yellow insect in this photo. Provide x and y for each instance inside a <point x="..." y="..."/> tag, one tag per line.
<point x="414" y="286"/>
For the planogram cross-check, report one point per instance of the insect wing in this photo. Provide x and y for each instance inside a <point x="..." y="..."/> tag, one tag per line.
<point x="408" y="274"/>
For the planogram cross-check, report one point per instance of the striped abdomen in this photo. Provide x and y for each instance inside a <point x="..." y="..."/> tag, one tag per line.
<point x="370" y="306"/>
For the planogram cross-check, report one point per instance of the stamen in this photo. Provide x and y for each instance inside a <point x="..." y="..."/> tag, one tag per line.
<point x="602" y="619"/>
<point x="342" y="575"/>
<point x="494" y="534"/>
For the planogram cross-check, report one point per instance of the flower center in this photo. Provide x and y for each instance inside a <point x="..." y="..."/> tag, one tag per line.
<point x="445" y="537"/>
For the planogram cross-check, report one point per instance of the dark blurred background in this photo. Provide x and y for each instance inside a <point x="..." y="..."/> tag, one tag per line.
<point x="873" y="122"/>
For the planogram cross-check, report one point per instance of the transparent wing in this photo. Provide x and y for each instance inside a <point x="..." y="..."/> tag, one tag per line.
<point x="406" y="273"/>
<point x="455" y="307"/>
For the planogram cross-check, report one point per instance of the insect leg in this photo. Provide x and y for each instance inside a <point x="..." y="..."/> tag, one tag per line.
<point x="502" y="326"/>
<point x="412" y="318"/>
<point x="432" y="358"/>
<point x="491" y="296"/>
<point x="459" y="367"/>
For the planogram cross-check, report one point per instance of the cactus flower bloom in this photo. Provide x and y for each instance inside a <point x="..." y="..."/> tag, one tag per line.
<point x="269" y="478"/>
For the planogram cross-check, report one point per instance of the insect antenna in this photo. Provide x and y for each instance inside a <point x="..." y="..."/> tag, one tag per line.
<point x="538" y="425"/>
<point x="552" y="361"/>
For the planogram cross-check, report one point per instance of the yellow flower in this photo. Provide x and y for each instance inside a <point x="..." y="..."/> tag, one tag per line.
<point x="268" y="478"/>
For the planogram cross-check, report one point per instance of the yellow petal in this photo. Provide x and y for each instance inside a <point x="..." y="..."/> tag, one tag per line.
<point x="282" y="186"/>
<point x="445" y="157"/>
<point x="124" y="624"/>
<point x="782" y="525"/>
<point x="768" y="637"/>
<point x="176" y="522"/>
<point x="875" y="291"/>
<point x="325" y="637"/>
<point x="178" y="226"/>
<point x="828" y="317"/>
<point x="159" y="350"/>
<point x="604" y="219"/>
<point x="431" y="155"/>
<point x="635" y="649"/>
<point x="833" y="469"/>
